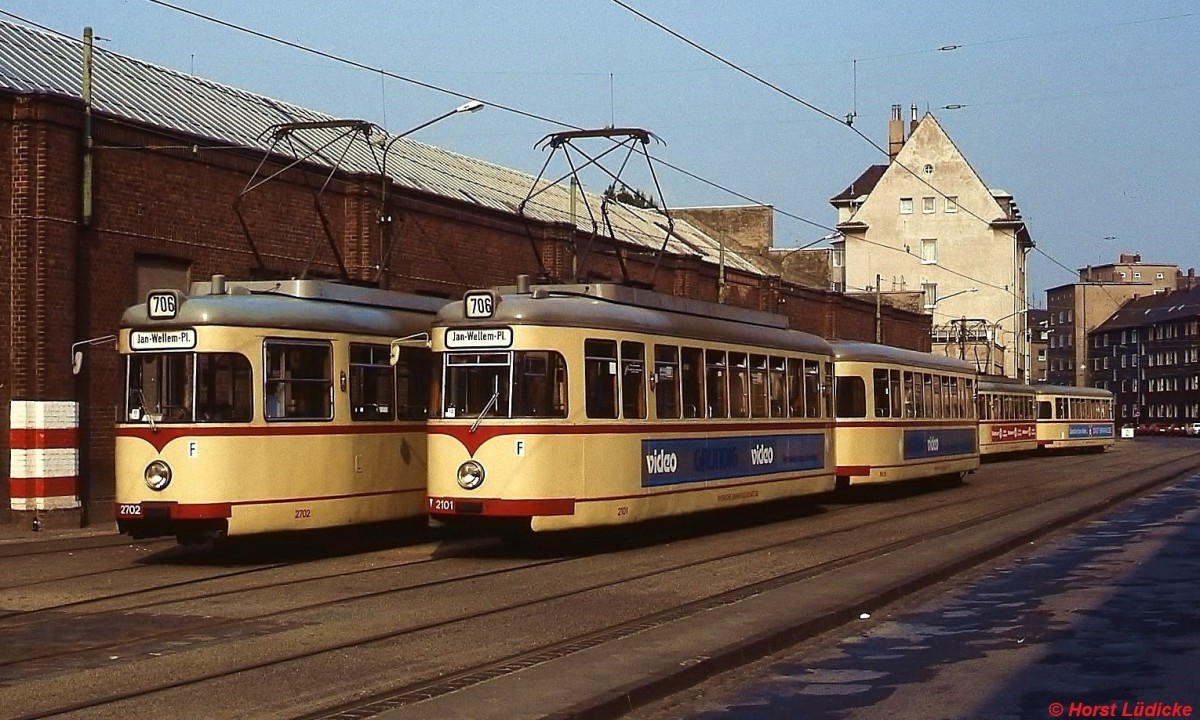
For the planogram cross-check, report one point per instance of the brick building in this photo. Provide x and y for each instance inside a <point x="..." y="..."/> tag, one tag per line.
<point x="171" y="156"/>
<point x="1148" y="354"/>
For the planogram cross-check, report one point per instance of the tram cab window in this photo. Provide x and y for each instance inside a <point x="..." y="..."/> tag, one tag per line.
<point x="371" y="383"/>
<point x="1045" y="410"/>
<point x="540" y="385"/>
<point x="633" y="380"/>
<point x="758" y="386"/>
<point x="851" y="397"/>
<point x="691" y="369"/>
<point x="600" y="377"/>
<point x="666" y="384"/>
<point x="717" y="381"/>
<point x="739" y="385"/>
<point x="188" y="388"/>
<point x="299" y="380"/>
<point x="476" y="385"/>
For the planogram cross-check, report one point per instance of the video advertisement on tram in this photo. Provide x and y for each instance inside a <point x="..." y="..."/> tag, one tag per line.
<point x="567" y="406"/>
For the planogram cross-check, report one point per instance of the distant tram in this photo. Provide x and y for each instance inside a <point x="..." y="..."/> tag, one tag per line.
<point x="902" y="415"/>
<point x="1074" y="417"/>
<point x="1008" y="414"/>
<point x="256" y="407"/>
<point x="565" y="406"/>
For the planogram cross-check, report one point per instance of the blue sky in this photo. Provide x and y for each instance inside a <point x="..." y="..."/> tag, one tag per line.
<point x="1086" y="111"/>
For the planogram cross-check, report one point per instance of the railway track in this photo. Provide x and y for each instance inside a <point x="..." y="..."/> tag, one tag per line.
<point x="848" y="535"/>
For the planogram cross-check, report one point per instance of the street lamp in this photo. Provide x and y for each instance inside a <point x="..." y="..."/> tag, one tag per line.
<point x="935" y="302"/>
<point x="467" y="107"/>
<point x="1016" y="335"/>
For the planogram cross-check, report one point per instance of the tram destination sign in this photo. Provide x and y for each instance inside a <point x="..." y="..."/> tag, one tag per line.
<point x="140" y="340"/>
<point x="471" y="338"/>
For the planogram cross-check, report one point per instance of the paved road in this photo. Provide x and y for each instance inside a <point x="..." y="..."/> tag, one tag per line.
<point x="1100" y="623"/>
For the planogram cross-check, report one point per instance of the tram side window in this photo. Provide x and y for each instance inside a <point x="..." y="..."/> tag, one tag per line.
<point x="223" y="389"/>
<point x="883" y="403"/>
<point x="540" y="385"/>
<point x="795" y="375"/>
<point x="1045" y="410"/>
<point x="666" y="373"/>
<point x="758" y="386"/>
<point x="779" y="398"/>
<point x="955" y="398"/>
<point x="633" y="380"/>
<point x="818" y="390"/>
<point x="600" y="377"/>
<point x="930" y="398"/>
<point x="414" y="376"/>
<point x="371" y="381"/>
<point x="299" y="380"/>
<point x="896" y="394"/>
<point x="851" y="397"/>
<point x="739" y="385"/>
<point x="1062" y="408"/>
<point x="691" y="370"/>
<point x="910" y="395"/>
<point x="716" y="381"/>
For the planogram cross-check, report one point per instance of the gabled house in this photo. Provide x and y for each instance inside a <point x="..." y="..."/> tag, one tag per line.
<point x="926" y="221"/>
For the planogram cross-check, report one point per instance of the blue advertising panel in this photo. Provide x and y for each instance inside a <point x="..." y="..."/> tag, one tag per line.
<point x="920" y="444"/>
<point x="669" y="461"/>
<point x="1080" y="430"/>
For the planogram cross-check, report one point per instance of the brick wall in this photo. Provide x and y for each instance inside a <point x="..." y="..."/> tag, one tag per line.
<point x="163" y="195"/>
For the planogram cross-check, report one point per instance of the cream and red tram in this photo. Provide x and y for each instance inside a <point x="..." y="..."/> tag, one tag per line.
<point x="564" y="406"/>
<point x="255" y="407"/>
<point x="902" y="414"/>
<point x="1007" y="411"/>
<point x="1074" y="417"/>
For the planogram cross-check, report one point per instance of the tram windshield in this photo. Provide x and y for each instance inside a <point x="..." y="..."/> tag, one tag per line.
<point x="524" y="384"/>
<point x="188" y="388"/>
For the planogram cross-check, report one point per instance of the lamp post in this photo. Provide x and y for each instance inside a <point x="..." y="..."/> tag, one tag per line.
<point x="936" y="301"/>
<point x="467" y="107"/>
<point x="385" y="218"/>
<point x="1016" y="334"/>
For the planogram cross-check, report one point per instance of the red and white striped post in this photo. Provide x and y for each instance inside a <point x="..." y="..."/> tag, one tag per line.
<point x="44" y="442"/>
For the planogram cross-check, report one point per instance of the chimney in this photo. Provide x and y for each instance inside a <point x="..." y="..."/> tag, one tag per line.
<point x="895" y="133"/>
<point x="912" y="123"/>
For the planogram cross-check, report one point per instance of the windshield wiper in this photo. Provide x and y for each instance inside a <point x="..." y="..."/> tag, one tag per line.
<point x="491" y="401"/>
<point x="145" y="410"/>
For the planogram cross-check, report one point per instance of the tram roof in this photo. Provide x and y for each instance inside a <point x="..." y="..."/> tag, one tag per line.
<point x="999" y="383"/>
<point x="317" y="305"/>
<point x="607" y="306"/>
<point x="1072" y="391"/>
<point x="856" y="351"/>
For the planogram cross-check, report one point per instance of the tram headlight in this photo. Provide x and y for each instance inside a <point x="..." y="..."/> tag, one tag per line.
<point x="158" y="475"/>
<point x="470" y="475"/>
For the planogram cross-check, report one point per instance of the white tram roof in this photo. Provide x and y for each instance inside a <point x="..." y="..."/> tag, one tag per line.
<point x="856" y="351"/>
<point x="314" y="305"/>
<point x="607" y="306"/>
<point x="1072" y="391"/>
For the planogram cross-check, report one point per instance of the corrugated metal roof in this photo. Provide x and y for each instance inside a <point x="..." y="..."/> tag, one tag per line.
<point x="33" y="61"/>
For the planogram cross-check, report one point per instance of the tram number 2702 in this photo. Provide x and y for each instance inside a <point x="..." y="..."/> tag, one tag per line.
<point x="303" y="513"/>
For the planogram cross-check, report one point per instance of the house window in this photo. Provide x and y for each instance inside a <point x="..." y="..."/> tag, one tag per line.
<point x="1158" y="276"/>
<point x="927" y="205"/>
<point x="1137" y="276"/>
<point x="952" y="203"/>
<point x="906" y="206"/>
<point x="839" y="257"/>
<point x="929" y="252"/>
<point x="930" y="290"/>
